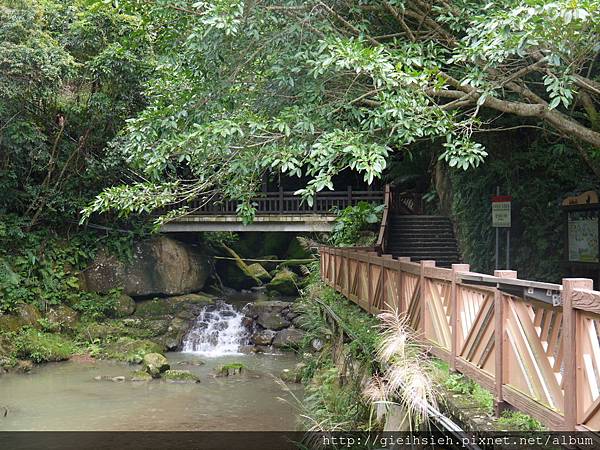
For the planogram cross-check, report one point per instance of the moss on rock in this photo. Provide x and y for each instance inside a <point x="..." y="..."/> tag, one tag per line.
<point x="155" y="364"/>
<point x="140" y="375"/>
<point x="180" y="376"/>
<point x="258" y="271"/>
<point x="227" y="370"/>
<point x="10" y="323"/>
<point x="158" y="307"/>
<point x="284" y="282"/>
<point x="235" y="273"/>
<point x="63" y="317"/>
<point x="124" y="306"/>
<point x="131" y="350"/>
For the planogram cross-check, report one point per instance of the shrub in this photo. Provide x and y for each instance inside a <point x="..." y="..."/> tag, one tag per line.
<point x="42" y="347"/>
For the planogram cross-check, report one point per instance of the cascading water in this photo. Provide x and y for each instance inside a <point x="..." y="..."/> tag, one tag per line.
<point x="217" y="331"/>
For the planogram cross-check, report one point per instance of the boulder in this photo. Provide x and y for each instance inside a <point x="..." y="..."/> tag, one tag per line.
<point x="63" y="317"/>
<point x="284" y="282"/>
<point x="29" y="315"/>
<point x="175" y="332"/>
<point x="264" y="337"/>
<point x="159" y="307"/>
<point x="290" y="337"/>
<point x="10" y="323"/>
<point x="269" y="314"/>
<point x="131" y="350"/>
<point x="258" y="271"/>
<point x="155" y="364"/>
<point x="180" y="376"/>
<point x="272" y="321"/>
<point x="257" y="308"/>
<point x="160" y="265"/>
<point x="125" y="306"/>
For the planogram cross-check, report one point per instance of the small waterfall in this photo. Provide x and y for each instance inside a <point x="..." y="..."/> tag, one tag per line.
<point x="218" y="331"/>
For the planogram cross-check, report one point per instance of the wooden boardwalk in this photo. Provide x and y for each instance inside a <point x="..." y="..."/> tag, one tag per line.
<point x="535" y="346"/>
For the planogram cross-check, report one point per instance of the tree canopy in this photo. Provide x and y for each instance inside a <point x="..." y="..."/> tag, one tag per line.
<point x="200" y="99"/>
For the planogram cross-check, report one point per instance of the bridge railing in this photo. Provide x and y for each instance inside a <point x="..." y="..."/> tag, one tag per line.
<point x="534" y="345"/>
<point x="285" y="202"/>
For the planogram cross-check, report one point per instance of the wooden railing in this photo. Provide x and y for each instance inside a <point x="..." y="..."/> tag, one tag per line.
<point x="285" y="202"/>
<point x="535" y="346"/>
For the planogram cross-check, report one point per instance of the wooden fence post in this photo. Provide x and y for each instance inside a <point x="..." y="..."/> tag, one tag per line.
<point x="454" y="312"/>
<point x="423" y="295"/>
<point x="499" y="341"/>
<point x="570" y="350"/>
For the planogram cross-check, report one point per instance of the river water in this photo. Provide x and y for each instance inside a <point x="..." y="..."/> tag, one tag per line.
<point x="65" y="396"/>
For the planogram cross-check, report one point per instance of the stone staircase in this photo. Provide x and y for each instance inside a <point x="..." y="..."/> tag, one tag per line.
<point x="423" y="237"/>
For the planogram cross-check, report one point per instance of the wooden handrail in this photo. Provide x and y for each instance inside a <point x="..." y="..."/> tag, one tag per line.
<point x="540" y="357"/>
<point x="285" y="202"/>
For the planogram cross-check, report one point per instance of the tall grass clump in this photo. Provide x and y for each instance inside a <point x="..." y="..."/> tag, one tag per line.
<point x="405" y="380"/>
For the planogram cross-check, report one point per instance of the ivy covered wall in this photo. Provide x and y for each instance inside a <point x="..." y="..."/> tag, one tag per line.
<point x="538" y="173"/>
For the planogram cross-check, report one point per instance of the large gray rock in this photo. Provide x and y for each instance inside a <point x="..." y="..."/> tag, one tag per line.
<point x="291" y="337"/>
<point x="160" y="265"/>
<point x="270" y="314"/>
<point x="63" y="317"/>
<point x="264" y="337"/>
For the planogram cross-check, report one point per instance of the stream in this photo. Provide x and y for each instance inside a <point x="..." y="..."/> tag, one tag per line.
<point x="65" y="395"/>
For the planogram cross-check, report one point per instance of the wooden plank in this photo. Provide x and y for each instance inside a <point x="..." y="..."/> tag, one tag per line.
<point x="524" y="403"/>
<point x="499" y="340"/>
<point x="586" y="300"/>
<point x="476" y="374"/>
<point x="456" y="268"/>
<point x="438" y="273"/>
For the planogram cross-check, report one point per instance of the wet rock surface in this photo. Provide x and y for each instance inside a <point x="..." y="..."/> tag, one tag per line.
<point x="161" y="265"/>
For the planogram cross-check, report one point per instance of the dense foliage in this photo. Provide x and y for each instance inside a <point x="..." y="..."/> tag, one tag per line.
<point x="356" y="225"/>
<point x="71" y="72"/>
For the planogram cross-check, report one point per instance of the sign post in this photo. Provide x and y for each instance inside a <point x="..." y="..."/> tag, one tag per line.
<point x="501" y="218"/>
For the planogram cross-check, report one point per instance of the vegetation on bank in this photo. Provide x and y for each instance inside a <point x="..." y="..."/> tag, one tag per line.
<point x="355" y="367"/>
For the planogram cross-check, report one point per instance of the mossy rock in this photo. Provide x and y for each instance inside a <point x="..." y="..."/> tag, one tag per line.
<point x="160" y="307"/>
<point x="29" y="315"/>
<point x="140" y="375"/>
<point x="227" y="370"/>
<point x="180" y="376"/>
<point x="131" y="350"/>
<point x="267" y="264"/>
<point x="10" y="323"/>
<point x="155" y="364"/>
<point x="63" y="317"/>
<point x="103" y="330"/>
<point x="124" y="307"/>
<point x="43" y="347"/>
<point x="284" y="282"/>
<point x="258" y="271"/>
